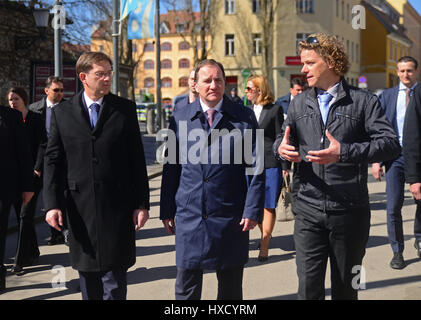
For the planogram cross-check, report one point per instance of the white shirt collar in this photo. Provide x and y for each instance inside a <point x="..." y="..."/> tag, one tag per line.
<point x="403" y="87"/>
<point x="89" y="101"/>
<point x="49" y="103"/>
<point x="205" y="107"/>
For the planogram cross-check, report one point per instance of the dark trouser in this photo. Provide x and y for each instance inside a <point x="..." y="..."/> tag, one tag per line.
<point x="395" y="185"/>
<point x="341" y="238"/>
<point x="188" y="285"/>
<point x="111" y="285"/>
<point x="27" y="248"/>
<point x="4" y="221"/>
<point x="395" y="190"/>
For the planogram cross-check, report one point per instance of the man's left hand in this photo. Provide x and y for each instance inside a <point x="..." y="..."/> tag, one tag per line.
<point x="140" y="216"/>
<point x="415" y="189"/>
<point x="329" y="155"/>
<point x="248" y="224"/>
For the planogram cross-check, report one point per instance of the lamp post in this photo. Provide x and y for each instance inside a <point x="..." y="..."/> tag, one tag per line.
<point x="58" y="59"/>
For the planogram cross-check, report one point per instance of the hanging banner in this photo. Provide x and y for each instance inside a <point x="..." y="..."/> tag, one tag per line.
<point x="141" y="20"/>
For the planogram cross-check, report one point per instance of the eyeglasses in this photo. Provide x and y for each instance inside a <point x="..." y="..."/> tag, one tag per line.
<point x="58" y="90"/>
<point x="249" y="89"/>
<point x="102" y="74"/>
<point x="312" y="40"/>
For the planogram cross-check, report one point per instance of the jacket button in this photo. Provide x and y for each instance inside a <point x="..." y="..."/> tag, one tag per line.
<point x="206" y="180"/>
<point x="93" y="138"/>
<point x="95" y="160"/>
<point x="204" y="216"/>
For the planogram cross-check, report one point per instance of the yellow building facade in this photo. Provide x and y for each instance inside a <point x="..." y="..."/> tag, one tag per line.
<point x="384" y="43"/>
<point x="236" y="44"/>
<point x="177" y="59"/>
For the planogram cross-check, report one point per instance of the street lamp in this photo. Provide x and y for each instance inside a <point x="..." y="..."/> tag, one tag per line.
<point x="41" y="16"/>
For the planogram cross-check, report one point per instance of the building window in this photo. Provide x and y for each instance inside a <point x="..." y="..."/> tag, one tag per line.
<point x="134" y="47"/>
<point x="184" y="63"/>
<point x="149" y="47"/>
<point x="343" y="10"/>
<point x="149" y="64"/>
<point x="101" y="48"/>
<point x="352" y="51"/>
<point x="166" y="64"/>
<point x="255" y="6"/>
<point x="229" y="6"/>
<point x="305" y="6"/>
<point x="300" y="37"/>
<point x="163" y="29"/>
<point x="180" y="28"/>
<point x="199" y="45"/>
<point x="337" y="8"/>
<point x="166" y="46"/>
<point x="257" y="44"/>
<point x="149" y="83"/>
<point x="184" y="45"/>
<point x="197" y="27"/>
<point x="166" y="82"/>
<point x="357" y="53"/>
<point x="348" y="13"/>
<point x="183" y="82"/>
<point x="135" y="83"/>
<point x="229" y="45"/>
<point x="347" y="47"/>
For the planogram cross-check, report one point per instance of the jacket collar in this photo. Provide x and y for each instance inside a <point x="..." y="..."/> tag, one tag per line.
<point x="343" y="92"/>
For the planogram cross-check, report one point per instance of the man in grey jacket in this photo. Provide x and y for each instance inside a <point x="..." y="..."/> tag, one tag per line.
<point x="332" y="131"/>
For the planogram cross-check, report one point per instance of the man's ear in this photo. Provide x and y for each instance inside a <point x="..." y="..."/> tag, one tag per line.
<point x="82" y="77"/>
<point x="46" y="91"/>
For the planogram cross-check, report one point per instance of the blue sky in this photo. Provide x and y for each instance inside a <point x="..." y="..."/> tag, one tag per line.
<point x="416" y="4"/>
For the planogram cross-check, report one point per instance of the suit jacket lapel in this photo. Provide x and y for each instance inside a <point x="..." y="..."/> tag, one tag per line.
<point x="82" y="110"/>
<point x="104" y="112"/>
<point x="262" y="116"/>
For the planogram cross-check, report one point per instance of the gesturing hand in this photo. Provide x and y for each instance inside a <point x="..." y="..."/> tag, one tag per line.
<point x="329" y="155"/>
<point x="286" y="151"/>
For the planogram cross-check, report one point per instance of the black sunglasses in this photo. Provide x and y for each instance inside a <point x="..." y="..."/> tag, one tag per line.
<point x="58" y="90"/>
<point x="312" y="40"/>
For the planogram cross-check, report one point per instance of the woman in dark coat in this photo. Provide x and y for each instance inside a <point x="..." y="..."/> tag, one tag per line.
<point x="27" y="249"/>
<point x="270" y="118"/>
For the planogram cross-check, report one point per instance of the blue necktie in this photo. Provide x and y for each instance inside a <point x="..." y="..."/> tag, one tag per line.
<point x="94" y="113"/>
<point x="324" y="100"/>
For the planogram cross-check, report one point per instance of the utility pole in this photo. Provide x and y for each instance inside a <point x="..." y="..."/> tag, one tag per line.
<point x="160" y="120"/>
<point x="116" y="22"/>
<point x="58" y="58"/>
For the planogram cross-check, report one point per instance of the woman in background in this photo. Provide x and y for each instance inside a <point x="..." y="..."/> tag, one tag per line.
<point x="27" y="249"/>
<point x="270" y="118"/>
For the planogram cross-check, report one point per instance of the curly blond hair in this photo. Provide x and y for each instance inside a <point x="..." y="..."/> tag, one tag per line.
<point x="330" y="49"/>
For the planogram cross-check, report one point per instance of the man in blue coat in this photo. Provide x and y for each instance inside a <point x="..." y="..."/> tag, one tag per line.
<point x="395" y="101"/>
<point x="298" y="85"/>
<point x="205" y="199"/>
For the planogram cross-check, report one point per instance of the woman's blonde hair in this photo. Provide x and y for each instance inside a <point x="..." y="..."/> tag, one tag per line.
<point x="266" y="96"/>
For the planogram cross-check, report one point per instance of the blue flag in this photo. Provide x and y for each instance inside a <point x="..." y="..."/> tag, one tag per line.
<point x="141" y="20"/>
<point x="127" y="6"/>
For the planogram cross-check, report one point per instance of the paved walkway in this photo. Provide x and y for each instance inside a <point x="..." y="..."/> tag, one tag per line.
<point x="153" y="275"/>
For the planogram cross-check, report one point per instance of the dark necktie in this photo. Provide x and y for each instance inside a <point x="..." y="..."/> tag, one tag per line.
<point x="94" y="113"/>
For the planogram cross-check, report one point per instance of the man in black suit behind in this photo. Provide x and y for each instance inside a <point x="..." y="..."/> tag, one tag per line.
<point x="95" y="141"/>
<point x="53" y="96"/>
<point x="15" y="174"/>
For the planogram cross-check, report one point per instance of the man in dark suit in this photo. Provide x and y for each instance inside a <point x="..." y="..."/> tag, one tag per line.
<point x="15" y="174"/>
<point x="95" y="140"/>
<point x="412" y="154"/>
<point x="332" y="131"/>
<point x="190" y="96"/>
<point x="205" y="193"/>
<point x="297" y="86"/>
<point x="53" y="96"/>
<point x="395" y="101"/>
